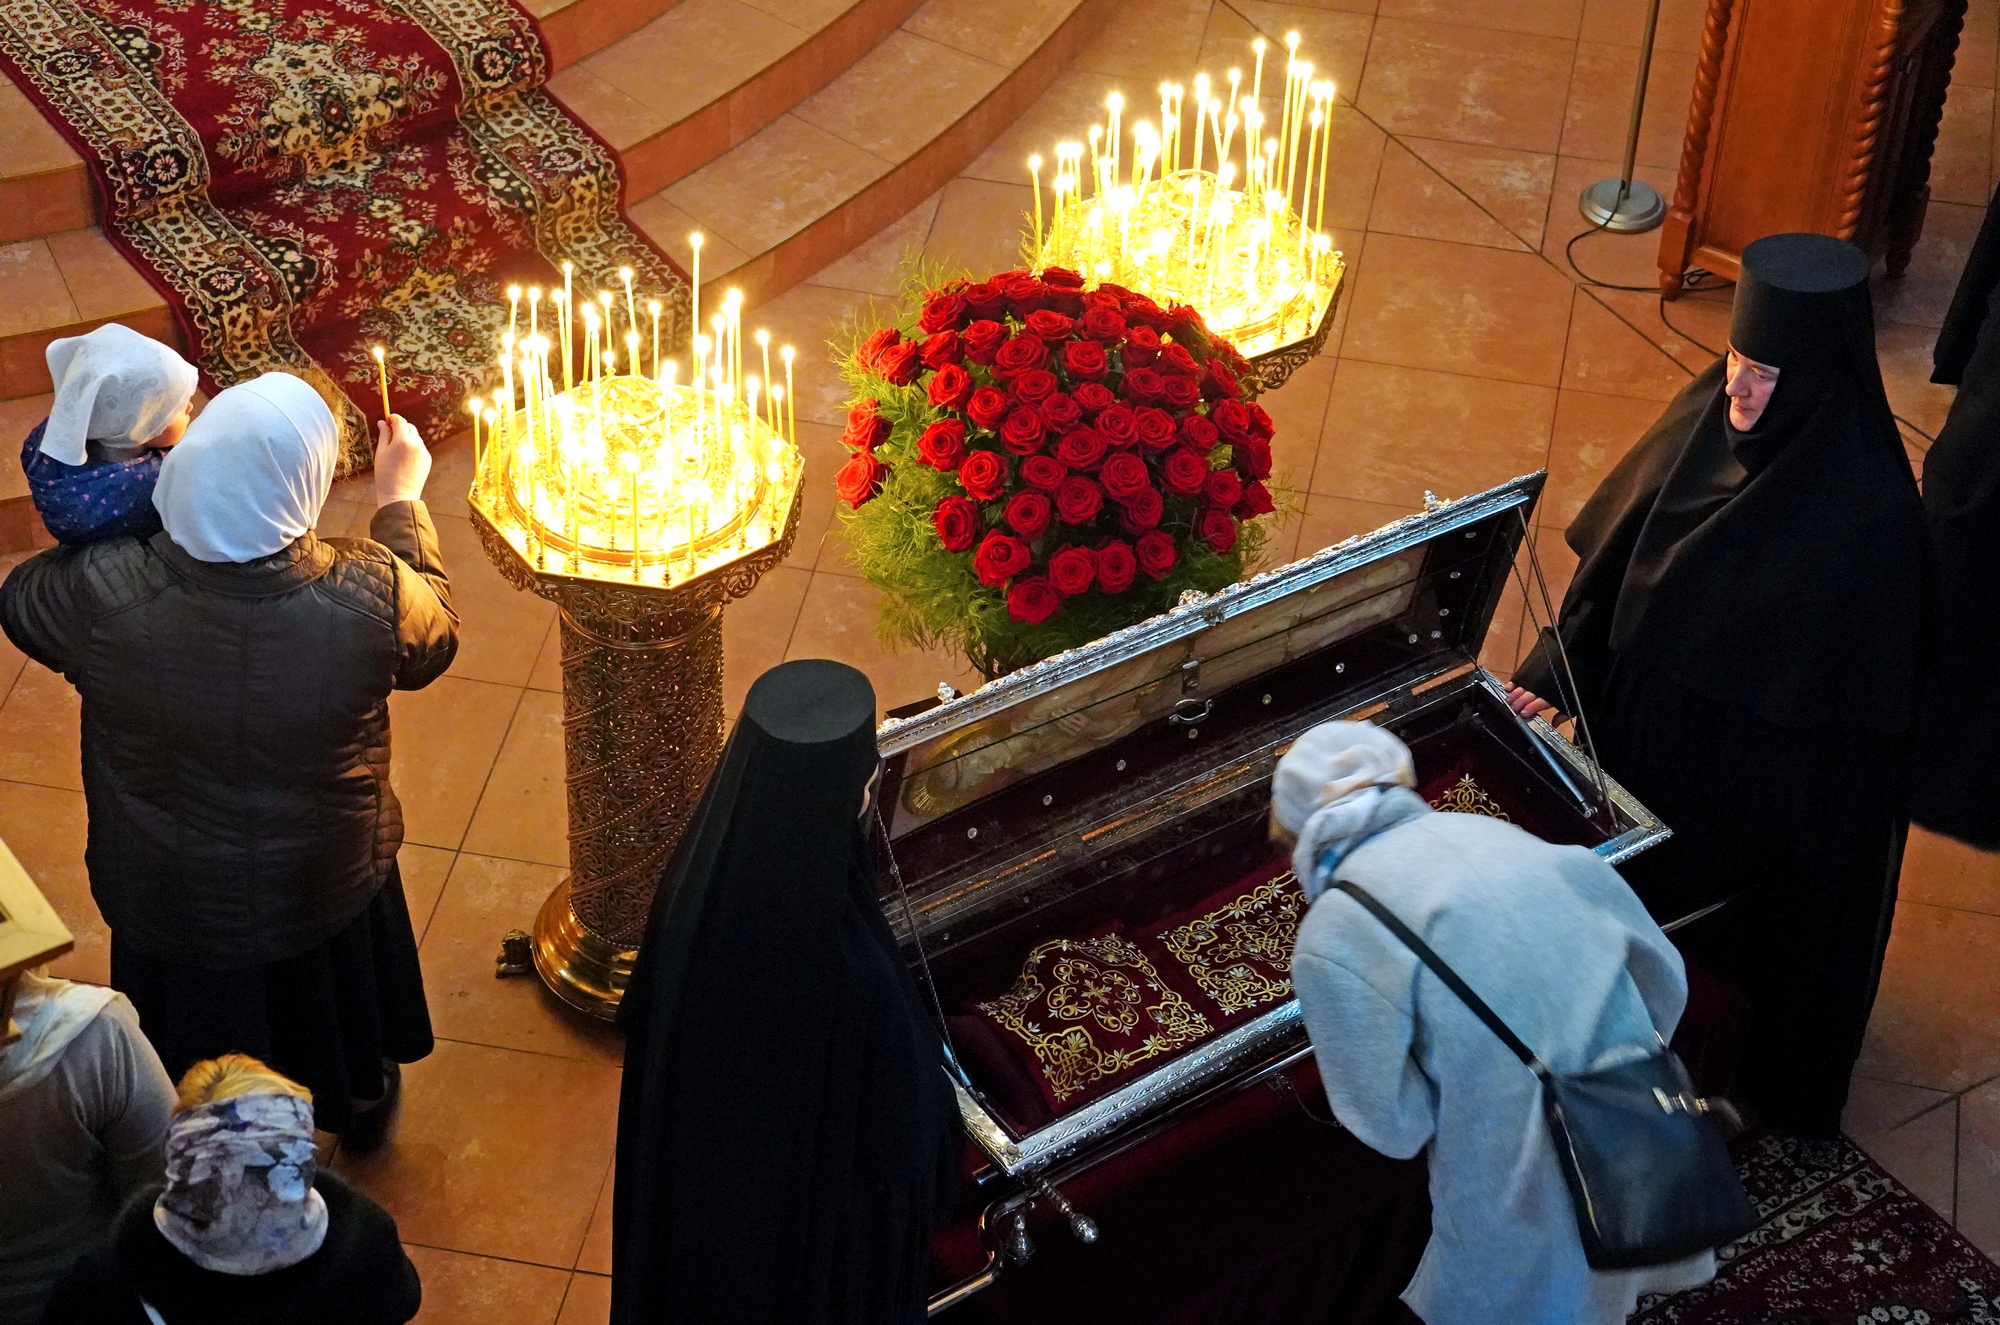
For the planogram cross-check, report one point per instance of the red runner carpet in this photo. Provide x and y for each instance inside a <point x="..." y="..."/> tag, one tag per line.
<point x="304" y="179"/>
<point x="1838" y="1241"/>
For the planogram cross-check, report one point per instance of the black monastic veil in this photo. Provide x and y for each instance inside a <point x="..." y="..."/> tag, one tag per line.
<point x="1748" y="626"/>
<point x="786" y="1135"/>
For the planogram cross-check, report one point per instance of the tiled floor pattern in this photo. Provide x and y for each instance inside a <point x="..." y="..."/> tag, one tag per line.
<point x="1468" y="351"/>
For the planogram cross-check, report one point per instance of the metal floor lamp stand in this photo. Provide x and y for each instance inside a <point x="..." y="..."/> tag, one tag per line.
<point x="1628" y="205"/>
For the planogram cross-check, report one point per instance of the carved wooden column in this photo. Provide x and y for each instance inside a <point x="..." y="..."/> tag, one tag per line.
<point x="1815" y="115"/>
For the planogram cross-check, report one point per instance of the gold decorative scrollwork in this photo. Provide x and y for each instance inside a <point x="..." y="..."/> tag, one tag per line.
<point x="1106" y="981"/>
<point x="1241" y="953"/>
<point x="1466" y="796"/>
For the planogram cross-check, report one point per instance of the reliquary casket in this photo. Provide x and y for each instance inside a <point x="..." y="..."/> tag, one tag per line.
<point x="1076" y="860"/>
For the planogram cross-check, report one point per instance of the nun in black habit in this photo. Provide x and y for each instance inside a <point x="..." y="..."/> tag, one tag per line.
<point x="1957" y="769"/>
<point x="1745" y="629"/>
<point x="786" y="1134"/>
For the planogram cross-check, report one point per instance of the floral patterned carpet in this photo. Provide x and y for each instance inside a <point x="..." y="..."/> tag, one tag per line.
<point x="1839" y="1241"/>
<point x="304" y="179"/>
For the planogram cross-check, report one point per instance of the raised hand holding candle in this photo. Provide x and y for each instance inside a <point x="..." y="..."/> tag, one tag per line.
<point x="382" y="377"/>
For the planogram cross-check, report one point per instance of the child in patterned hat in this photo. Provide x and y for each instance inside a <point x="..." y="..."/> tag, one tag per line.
<point x="121" y="400"/>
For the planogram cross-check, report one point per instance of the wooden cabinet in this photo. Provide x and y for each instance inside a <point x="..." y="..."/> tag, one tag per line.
<point x="1815" y="115"/>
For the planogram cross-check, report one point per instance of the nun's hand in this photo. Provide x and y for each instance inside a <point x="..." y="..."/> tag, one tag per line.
<point x="1530" y="705"/>
<point x="402" y="461"/>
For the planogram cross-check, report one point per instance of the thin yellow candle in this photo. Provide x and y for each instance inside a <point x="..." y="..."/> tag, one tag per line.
<point x="630" y="463"/>
<point x="1257" y="80"/>
<point x="610" y="321"/>
<point x="631" y="310"/>
<point x="791" y="404"/>
<point x="472" y="404"/>
<point x="632" y="353"/>
<point x="694" y="288"/>
<point x="534" y="311"/>
<point x="654" y="308"/>
<point x="1035" y="174"/>
<point x="382" y="378"/>
<point x="513" y="307"/>
<point x="492" y="418"/>
<point x="764" y="347"/>
<point x="568" y="310"/>
<point x="1116" y="104"/>
<point x="1325" y="158"/>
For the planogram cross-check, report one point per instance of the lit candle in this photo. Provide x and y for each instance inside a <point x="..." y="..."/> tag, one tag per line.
<point x="791" y="404"/>
<point x="382" y="378"/>
<point x="472" y="404"/>
<point x="630" y="463"/>
<point x="654" y="308"/>
<point x="764" y="348"/>
<point x="610" y="321"/>
<point x="1257" y="81"/>
<point x="534" y="311"/>
<point x="1035" y="174"/>
<point x="568" y="309"/>
<point x="631" y="314"/>
<point x="694" y="287"/>
<point x="492" y="418"/>
<point x="513" y="308"/>
<point x="1325" y="156"/>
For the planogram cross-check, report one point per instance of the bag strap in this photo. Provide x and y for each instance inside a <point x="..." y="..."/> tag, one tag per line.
<point x="1443" y="972"/>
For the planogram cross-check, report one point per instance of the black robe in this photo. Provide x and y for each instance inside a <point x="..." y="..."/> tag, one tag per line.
<point x="1957" y="780"/>
<point x="1746" y="628"/>
<point x="786" y="1134"/>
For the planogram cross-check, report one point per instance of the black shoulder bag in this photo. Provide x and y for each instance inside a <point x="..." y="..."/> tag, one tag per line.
<point x="1648" y="1174"/>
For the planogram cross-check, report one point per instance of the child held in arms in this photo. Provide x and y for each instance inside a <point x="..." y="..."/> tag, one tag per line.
<point x="121" y="400"/>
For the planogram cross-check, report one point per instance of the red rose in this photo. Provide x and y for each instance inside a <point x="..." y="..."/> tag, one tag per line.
<point x="1078" y="500"/>
<point x="865" y="429"/>
<point x="1104" y="324"/>
<point x="1143" y="386"/>
<point x="1256" y="501"/>
<point x="858" y="479"/>
<point x="1023" y="293"/>
<point x="1223" y="488"/>
<point x="1142" y="511"/>
<point x="1123" y="476"/>
<point x="1072" y="570"/>
<point x="1217" y="528"/>
<point x="1084" y="360"/>
<point x="1230" y="419"/>
<point x="1093" y="397"/>
<point x="1044" y="472"/>
<point x="1108" y="295"/>
<point x="999" y="558"/>
<point x="900" y="364"/>
<point x="983" y="475"/>
<point x="1034" y="386"/>
<point x="957" y="520"/>
<point x="1032" y="600"/>
<point x="1022" y="432"/>
<point x="1062" y="278"/>
<point x="1142" y="346"/>
<point x="1177" y="358"/>
<point x="983" y="300"/>
<point x="1198" y="434"/>
<point x="942" y="445"/>
<point x="1115" y="565"/>
<point x="941" y="349"/>
<point x="1081" y="449"/>
<point x="944" y="311"/>
<point x="1218" y="383"/>
<point x="1156" y="429"/>
<point x="1260" y="420"/>
<point x="1048" y="324"/>
<point x="1156" y="553"/>
<point x="1185" y="472"/>
<point x="1061" y="413"/>
<point x="983" y="340"/>
<point x="950" y="386"/>
<point x="1181" y="322"/>
<point x="869" y="352"/>
<point x="1142" y="310"/>
<point x="1019" y="355"/>
<point x="1180" y="392"/>
<point x="1253" y="457"/>
<point x="1119" y="425"/>
<point x="1028" y="513"/>
<point x="987" y="407"/>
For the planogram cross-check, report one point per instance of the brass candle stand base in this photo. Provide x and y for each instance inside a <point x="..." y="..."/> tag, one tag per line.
<point x="642" y="728"/>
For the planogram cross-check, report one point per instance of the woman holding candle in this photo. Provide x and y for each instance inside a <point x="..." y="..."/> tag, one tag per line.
<point x="235" y="671"/>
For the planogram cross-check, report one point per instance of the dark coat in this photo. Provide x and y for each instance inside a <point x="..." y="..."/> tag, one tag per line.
<point x="359" y="1275"/>
<point x="236" y="726"/>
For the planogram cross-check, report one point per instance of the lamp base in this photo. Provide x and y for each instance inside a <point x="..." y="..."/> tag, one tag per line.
<point x="583" y="970"/>
<point x="1610" y="205"/>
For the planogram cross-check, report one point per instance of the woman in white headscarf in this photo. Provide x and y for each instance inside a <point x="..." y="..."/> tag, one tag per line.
<point x="84" y="1104"/>
<point x="1550" y="937"/>
<point x="235" y="671"/>
<point x="247" y="1229"/>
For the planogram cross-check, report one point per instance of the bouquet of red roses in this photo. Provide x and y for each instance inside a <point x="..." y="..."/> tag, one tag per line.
<point x="1035" y="465"/>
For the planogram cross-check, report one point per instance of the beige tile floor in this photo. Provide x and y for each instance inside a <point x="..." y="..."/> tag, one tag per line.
<point x="1467" y="352"/>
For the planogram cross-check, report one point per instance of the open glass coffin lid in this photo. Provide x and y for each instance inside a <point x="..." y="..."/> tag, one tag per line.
<point x="1076" y="857"/>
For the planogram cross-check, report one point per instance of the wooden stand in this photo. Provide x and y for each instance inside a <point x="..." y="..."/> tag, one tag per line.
<point x="1814" y="115"/>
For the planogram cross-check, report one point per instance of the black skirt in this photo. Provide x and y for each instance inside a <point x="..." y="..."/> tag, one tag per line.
<point x="325" y="1018"/>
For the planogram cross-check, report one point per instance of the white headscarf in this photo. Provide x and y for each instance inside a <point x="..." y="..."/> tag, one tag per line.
<point x="112" y="385"/>
<point x="1328" y="787"/>
<point x="252" y="472"/>
<point x="50" y="1014"/>
<point x="240" y="1196"/>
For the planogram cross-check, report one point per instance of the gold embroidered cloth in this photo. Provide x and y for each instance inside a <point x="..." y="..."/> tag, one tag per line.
<point x="1093" y="1008"/>
<point x="1240" y="954"/>
<point x="1466" y="796"/>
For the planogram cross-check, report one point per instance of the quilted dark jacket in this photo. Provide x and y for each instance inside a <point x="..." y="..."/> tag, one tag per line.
<point x="236" y="726"/>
